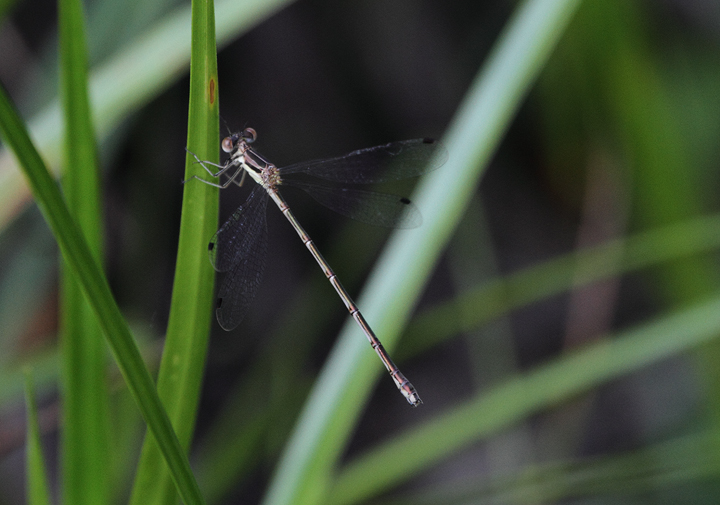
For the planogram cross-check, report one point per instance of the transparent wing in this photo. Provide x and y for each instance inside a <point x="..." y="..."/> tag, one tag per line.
<point x="380" y="209"/>
<point x="393" y="161"/>
<point x="238" y="233"/>
<point x="239" y="248"/>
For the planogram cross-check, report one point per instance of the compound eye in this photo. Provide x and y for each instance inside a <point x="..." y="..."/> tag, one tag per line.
<point x="227" y="144"/>
<point x="249" y="135"/>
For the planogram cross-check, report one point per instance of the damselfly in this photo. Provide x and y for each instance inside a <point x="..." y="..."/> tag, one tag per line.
<point x="239" y="246"/>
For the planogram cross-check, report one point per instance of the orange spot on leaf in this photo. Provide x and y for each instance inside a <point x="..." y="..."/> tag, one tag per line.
<point x="211" y="90"/>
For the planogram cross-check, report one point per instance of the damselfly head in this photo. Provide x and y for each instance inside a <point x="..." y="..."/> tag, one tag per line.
<point x="248" y="135"/>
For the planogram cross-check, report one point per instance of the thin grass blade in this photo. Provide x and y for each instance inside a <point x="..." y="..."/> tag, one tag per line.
<point x="85" y="412"/>
<point x="38" y="489"/>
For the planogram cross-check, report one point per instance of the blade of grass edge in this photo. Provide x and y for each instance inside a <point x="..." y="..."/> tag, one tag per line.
<point x="85" y="414"/>
<point x="183" y="359"/>
<point x="305" y="469"/>
<point x="37" y="488"/>
<point x="97" y="291"/>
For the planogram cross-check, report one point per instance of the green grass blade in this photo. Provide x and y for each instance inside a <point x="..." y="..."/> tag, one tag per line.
<point x="524" y="395"/>
<point x="38" y="490"/>
<point x="85" y="402"/>
<point x="499" y="296"/>
<point x="79" y="258"/>
<point x="686" y="460"/>
<point x="334" y="405"/>
<point x="183" y="360"/>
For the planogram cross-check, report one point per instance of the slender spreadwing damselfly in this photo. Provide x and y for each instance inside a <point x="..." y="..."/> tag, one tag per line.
<point x="239" y="246"/>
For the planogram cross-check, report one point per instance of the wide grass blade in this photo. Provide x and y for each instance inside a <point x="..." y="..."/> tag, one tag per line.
<point x="183" y="360"/>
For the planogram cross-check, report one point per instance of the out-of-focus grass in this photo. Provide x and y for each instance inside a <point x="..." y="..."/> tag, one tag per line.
<point x="84" y="387"/>
<point x="38" y="487"/>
